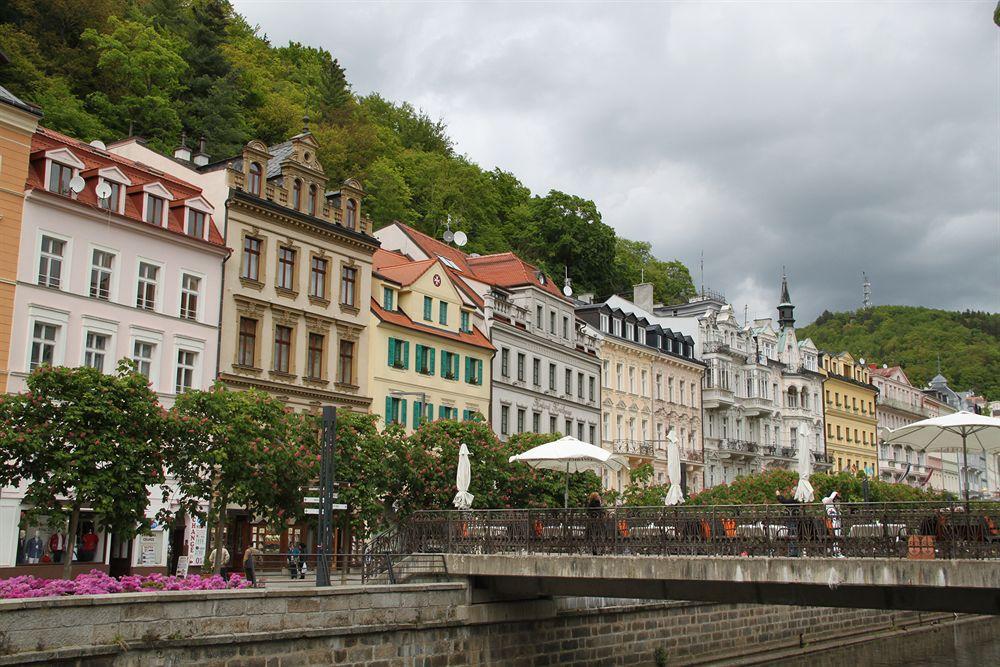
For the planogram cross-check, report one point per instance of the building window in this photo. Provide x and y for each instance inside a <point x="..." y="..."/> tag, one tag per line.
<point x="428" y="308"/>
<point x="311" y="203"/>
<point x="536" y="422"/>
<point x="50" y="262"/>
<point x="43" y="344"/>
<point x="520" y="420"/>
<point x="505" y="362"/>
<point x="348" y="286"/>
<point x="346" y="370"/>
<point x="568" y="427"/>
<point x="395" y="410"/>
<point x="539" y="313"/>
<point x="154" y="210"/>
<point x="190" y="287"/>
<point x="387" y="298"/>
<point x="552" y="377"/>
<point x="146" y="289"/>
<point x="473" y="370"/>
<point x="425" y="360"/>
<point x="659" y="387"/>
<point x="631" y="379"/>
<point x="552" y="322"/>
<point x="196" y="223"/>
<point x="552" y="424"/>
<point x="286" y="268"/>
<point x="247" y="349"/>
<point x="629" y="330"/>
<point x="351" y="214"/>
<point x="617" y="324"/>
<point x="593" y="435"/>
<point x="95" y="350"/>
<point x="449" y="365"/>
<point x="101" y="265"/>
<point x="579" y="386"/>
<point x="443" y="312"/>
<point x="591" y="387"/>
<point x="465" y="326"/>
<point x="113" y="201"/>
<point x="536" y="371"/>
<point x="619" y="370"/>
<point x="314" y="360"/>
<point x="282" y="348"/>
<point x="59" y="177"/>
<point x="254" y="180"/>
<point x="186" y="361"/>
<point x="604" y="323"/>
<point x="644" y="377"/>
<point x="504" y="419"/>
<point x="251" y="258"/>
<point x="568" y="384"/>
<point x="317" y="277"/>
<point x="142" y="355"/>
<point x="579" y="431"/>
<point x="565" y="327"/>
<point x="297" y="194"/>
<point x="399" y="353"/>
<point x="520" y="366"/>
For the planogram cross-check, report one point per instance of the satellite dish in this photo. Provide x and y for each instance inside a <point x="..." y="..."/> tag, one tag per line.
<point x="448" y="236"/>
<point x="885" y="365"/>
<point x="97" y="143"/>
<point x="461" y="238"/>
<point x="103" y="190"/>
<point x="862" y="360"/>
<point x="76" y="184"/>
<point x="567" y="290"/>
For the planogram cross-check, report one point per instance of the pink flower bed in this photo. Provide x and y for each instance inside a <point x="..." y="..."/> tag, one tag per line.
<point x="99" y="583"/>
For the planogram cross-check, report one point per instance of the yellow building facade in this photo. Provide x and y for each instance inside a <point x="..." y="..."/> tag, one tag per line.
<point x="17" y="124"/>
<point x="849" y="411"/>
<point x="429" y="357"/>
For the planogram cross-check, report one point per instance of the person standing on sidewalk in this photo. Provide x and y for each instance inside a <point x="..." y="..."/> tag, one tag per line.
<point x="249" y="564"/>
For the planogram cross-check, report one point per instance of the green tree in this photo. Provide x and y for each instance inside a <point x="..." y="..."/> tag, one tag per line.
<point x="390" y="198"/>
<point x="634" y="263"/>
<point x="363" y="461"/>
<point x="242" y="447"/>
<point x="92" y="439"/>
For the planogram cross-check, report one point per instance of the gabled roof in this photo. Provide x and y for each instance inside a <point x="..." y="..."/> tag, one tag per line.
<point x="475" y="338"/>
<point x="508" y="270"/>
<point x="404" y="274"/>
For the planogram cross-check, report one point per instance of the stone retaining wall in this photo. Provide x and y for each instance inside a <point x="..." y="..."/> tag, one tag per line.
<point x="388" y="626"/>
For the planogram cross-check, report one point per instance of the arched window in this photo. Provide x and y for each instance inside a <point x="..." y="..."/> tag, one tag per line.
<point x="793" y="398"/>
<point x="312" y="200"/>
<point x="350" y="222"/>
<point x="254" y="179"/>
<point x="297" y="194"/>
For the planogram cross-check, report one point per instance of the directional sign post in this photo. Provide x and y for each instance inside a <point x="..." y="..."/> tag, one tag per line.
<point x="326" y="495"/>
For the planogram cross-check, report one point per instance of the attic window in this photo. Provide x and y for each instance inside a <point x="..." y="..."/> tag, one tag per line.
<point x="447" y="262"/>
<point x="59" y="178"/>
<point x="541" y="277"/>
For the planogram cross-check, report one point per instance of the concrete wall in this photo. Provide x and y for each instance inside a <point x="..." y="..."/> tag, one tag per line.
<point x="419" y="624"/>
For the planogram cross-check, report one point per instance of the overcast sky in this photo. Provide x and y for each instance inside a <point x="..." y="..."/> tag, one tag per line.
<point x="832" y="138"/>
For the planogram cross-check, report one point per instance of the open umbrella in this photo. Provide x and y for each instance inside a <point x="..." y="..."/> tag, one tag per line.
<point x="463" y="499"/>
<point x="675" y="494"/>
<point x="957" y="432"/>
<point x="568" y="454"/>
<point x="804" y="491"/>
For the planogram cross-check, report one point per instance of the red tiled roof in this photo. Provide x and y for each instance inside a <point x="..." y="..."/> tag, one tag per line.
<point x="95" y="159"/>
<point x="383" y="257"/>
<point x="433" y="247"/>
<point x="405" y="274"/>
<point x="401" y="319"/>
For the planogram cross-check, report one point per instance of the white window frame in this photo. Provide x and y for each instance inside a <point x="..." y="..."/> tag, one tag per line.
<point x="66" y="260"/>
<point x="115" y="272"/>
<point x="156" y="189"/>
<point x="196" y="347"/>
<point x="56" y="318"/>
<point x="158" y="298"/>
<point x="117" y="176"/>
<point x="65" y="157"/>
<point x="200" y="205"/>
<point x="138" y="334"/>
<point x="105" y="328"/>
<point x="616" y="324"/>
<point x="200" y="310"/>
<point x="605" y="323"/>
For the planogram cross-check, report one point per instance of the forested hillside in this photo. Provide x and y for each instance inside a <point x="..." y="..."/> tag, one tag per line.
<point x="102" y="69"/>
<point x="968" y="343"/>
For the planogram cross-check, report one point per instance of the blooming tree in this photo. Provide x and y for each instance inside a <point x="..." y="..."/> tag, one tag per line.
<point x="80" y="438"/>
<point x="242" y="447"/>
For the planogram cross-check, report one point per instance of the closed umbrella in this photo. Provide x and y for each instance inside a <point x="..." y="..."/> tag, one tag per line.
<point x="675" y="494"/>
<point x="463" y="499"/>
<point x="804" y="491"/>
<point x="567" y="454"/>
<point x="958" y="432"/>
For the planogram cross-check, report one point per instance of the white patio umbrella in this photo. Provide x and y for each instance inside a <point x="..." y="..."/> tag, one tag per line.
<point x="463" y="499"/>
<point x="675" y="494"/>
<point x="804" y="491"/>
<point x="568" y="454"/>
<point x="957" y="432"/>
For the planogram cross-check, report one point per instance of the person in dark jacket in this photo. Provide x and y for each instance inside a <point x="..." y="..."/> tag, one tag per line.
<point x="595" y="512"/>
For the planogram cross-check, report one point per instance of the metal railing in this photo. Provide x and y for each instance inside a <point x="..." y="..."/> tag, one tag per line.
<point x="874" y="530"/>
<point x="633" y="447"/>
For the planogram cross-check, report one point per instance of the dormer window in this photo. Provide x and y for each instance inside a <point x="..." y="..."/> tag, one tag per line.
<point x="253" y="180"/>
<point x="196" y="223"/>
<point x="311" y="202"/>
<point x="618" y="327"/>
<point x="155" y="198"/>
<point x="154" y="210"/>
<point x="113" y="201"/>
<point x="349" y="218"/>
<point x="629" y="330"/>
<point x="605" y="323"/>
<point x="297" y="194"/>
<point x="59" y="178"/>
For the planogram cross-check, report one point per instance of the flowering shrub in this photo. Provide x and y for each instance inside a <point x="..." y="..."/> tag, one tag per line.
<point x="98" y="583"/>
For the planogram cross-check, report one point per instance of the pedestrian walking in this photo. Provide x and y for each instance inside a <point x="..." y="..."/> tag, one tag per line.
<point x="223" y="565"/>
<point x="294" y="556"/>
<point x="249" y="564"/>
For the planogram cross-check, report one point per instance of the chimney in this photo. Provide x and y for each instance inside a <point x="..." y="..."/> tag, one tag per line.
<point x="586" y="297"/>
<point x="201" y="157"/>
<point x="182" y="152"/>
<point x="643" y="296"/>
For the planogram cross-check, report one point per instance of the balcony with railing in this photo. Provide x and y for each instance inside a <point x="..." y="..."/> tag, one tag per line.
<point x="775" y="452"/>
<point x="497" y="305"/>
<point x="715" y="347"/>
<point x="633" y="448"/>
<point x="692" y="456"/>
<point x="717" y="397"/>
<point x="739" y="447"/>
<point x="755" y="406"/>
<point x="821" y="460"/>
<point x="902" y="406"/>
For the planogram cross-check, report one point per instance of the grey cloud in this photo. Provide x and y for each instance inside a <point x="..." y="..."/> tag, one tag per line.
<point x="832" y="138"/>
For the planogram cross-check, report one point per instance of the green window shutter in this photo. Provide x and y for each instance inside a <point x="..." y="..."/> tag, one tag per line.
<point x="402" y="412"/>
<point x="454" y="367"/>
<point x="429" y="412"/>
<point x="443" y="312"/>
<point x="441" y="412"/>
<point x="392" y="351"/>
<point x="420" y="358"/>
<point x="479" y="371"/>
<point x="388" y="410"/>
<point x="468" y="369"/>
<point x="406" y="357"/>
<point x="430" y="365"/>
<point x="444" y="363"/>
<point x="417" y="406"/>
<point x="428" y="303"/>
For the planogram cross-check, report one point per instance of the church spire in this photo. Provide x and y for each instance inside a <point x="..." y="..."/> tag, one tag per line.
<point x="785" y="309"/>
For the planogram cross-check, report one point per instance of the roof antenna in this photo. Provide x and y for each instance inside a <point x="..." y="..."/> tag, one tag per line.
<point x="746" y="314"/>
<point x="703" y="273"/>
<point x="568" y="286"/>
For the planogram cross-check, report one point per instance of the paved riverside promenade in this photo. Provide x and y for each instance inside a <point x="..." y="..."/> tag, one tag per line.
<point x="418" y="625"/>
